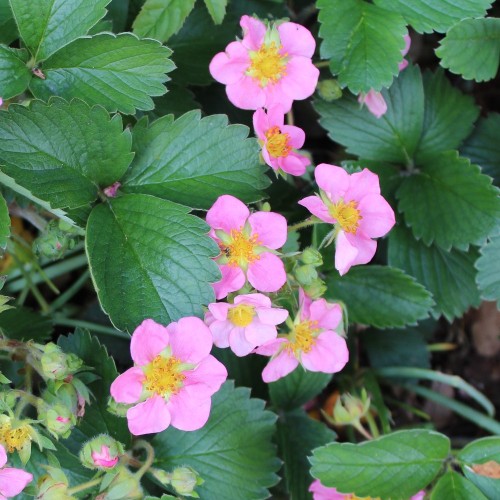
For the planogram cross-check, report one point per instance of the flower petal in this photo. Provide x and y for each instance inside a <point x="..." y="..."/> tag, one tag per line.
<point x="332" y="179"/>
<point x="276" y="116"/>
<point x="190" y="340"/>
<point x="329" y="354"/>
<point x="148" y="340"/>
<point x="275" y="96"/>
<point x="257" y="334"/>
<point x="345" y="253"/>
<point x="254" y="299"/>
<point x="297" y="135"/>
<point x="206" y="378"/>
<point x="270" y="348"/>
<point x="253" y="32"/>
<point x="270" y="229"/>
<point x="280" y="366"/>
<point x="3" y="456"/>
<point x="326" y="314"/>
<point x="188" y="412"/>
<point x="361" y="184"/>
<point x="219" y="310"/>
<point x="127" y="387"/>
<point x="296" y="40"/>
<point x="148" y="417"/>
<point x="316" y="206"/>
<point x="227" y="213"/>
<point x="377" y="216"/>
<point x="271" y="315"/>
<point x="239" y="343"/>
<point x="220" y="332"/>
<point x="246" y="94"/>
<point x="260" y="124"/>
<point x="229" y="67"/>
<point x="13" y="481"/>
<point x="301" y="78"/>
<point x="375" y="103"/>
<point x="294" y="164"/>
<point x="232" y="280"/>
<point x="267" y="274"/>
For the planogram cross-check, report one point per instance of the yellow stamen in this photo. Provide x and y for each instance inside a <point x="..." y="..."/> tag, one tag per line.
<point x="267" y="64"/>
<point x="302" y="338"/>
<point x="163" y="375"/>
<point x="278" y="144"/>
<point x="241" y="250"/>
<point x="14" y="439"/>
<point x="347" y="215"/>
<point x="241" y="315"/>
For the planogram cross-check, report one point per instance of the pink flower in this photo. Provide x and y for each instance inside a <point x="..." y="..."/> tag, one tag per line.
<point x="246" y="324"/>
<point x="271" y="65"/>
<point x="12" y="481"/>
<point x="173" y="377"/>
<point x="354" y="204"/>
<point x="104" y="458"/>
<point x="247" y="243"/>
<point x="278" y="141"/>
<point x="313" y="342"/>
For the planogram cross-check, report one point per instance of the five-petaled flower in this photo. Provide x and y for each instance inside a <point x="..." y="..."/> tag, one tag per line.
<point x="271" y="65"/>
<point x="12" y="481"/>
<point x="246" y="324"/>
<point x="279" y="141"/>
<point x="247" y="242"/>
<point x="354" y="204"/>
<point x="313" y="342"/>
<point x="173" y="378"/>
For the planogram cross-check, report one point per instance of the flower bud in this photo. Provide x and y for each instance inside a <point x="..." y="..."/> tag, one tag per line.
<point x="57" y="238"/>
<point x="349" y="410"/>
<point x="125" y="484"/>
<point x="117" y="409"/>
<point x="57" y="418"/>
<point x="57" y="365"/>
<point x="101" y="452"/>
<point x="305" y="275"/>
<point x="315" y="289"/>
<point x="53" y="486"/>
<point x="311" y="256"/>
<point x="184" y="480"/>
<point x="329" y="90"/>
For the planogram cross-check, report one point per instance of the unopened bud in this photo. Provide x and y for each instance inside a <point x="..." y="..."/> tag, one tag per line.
<point x="58" y="419"/>
<point x="53" y="486"/>
<point x="124" y="484"/>
<point x="349" y="410"/>
<point x="305" y="275"/>
<point x="57" y="365"/>
<point x="311" y="256"/>
<point x="184" y="480"/>
<point x="315" y="289"/>
<point x="102" y="452"/>
<point x="57" y="238"/>
<point x="329" y="90"/>
<point x="117" y="409"/>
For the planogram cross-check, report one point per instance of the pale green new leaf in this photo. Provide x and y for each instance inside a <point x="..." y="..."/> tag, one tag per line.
<point x="436" y="15"/>
<point x="118" y="72"/>
<point x="47" y="25"/>
<point x="362" y="41"/>
<point x="472" y="49"/>
<point x="394" y="466"/>
<point x="454" y="486"/>
<point x="160" y="19"/>
<point x="488" y="267"/>
<point x="63" y="152"/>
<point x="217" y="9"/>
<point x="149" y="259"/>
<point x="233" y="452"/>
<point x="14" y="74"/>
<point x="380" y="296"/>
<point x="461" y="205"/>
<point x="193" y="161"/>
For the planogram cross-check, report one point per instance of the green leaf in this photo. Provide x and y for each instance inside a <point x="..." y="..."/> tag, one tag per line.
<point x="392" y="138"/>
<point x="472" y="49"/>
<point x="235" y="442"/>
<point x="297" y="436"/>
<point x="177" y="101"/>
<point x="449" y="116"/>
<point x="397" y="465"/>
<point x="297" y="388"/>
<point x="117" y="12"/>
<point x="483" y="146"/>
<point x="63" y="152"/>
<point x="149" y="259"/>
<point x="425" y="16"/>
<point x="362" y="41"/>
<point x="118" y="72"/>
<point x="380" y="296"/>
<point x="4" y="223"/>
<point x="14" y="74"/>
<point x="97" y="419"/>
<point x="22" y="323"/>
<point x="450" y="276"/>
<point x="8" y="28"/>
<point x="449" y="202"/>
<point x="488" y="267"/>
<point x="160" y="19"/>
<point x="193" y="161"/>
<point x="47" y="25"/>
<point x="217" y="9"/>
<point x="454" y="486"/>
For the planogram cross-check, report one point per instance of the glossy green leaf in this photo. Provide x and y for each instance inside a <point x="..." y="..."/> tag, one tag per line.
<point x="4" y="223"/>
<point x="297" y="436"/>
<point x="449" y="202"/>
<point x="47" y="25"/>
<point x="450" y="276"/>
<point x="117" y="12"/>
<point x="297" y="388"/>
<point x="217" y="9"/>
<point x="235" y="442"/>
<point x="362" y="41"/>
<point x="21" y="323"/>
<point x="380" y="296"/>
<point x="472" y="49"/>
<point x="63" y="152"/>
<point x="193" y="161"/>
<point x="97" y="418"/>
<point x="14" y="74"/>
<point x="149" y="259"/>
<point x="8" y="28"/>
<point x="392" y="138"/>
<point x="120" y="72"/>
<point x="488" y="270"/>
<point x="177" y="101"/>
<point x="160" y="19"/>
<point x="483" y="146"/>
<point x="425" y="16"/>
<point x="397" y="465"/>
<point x="454" y="486"/>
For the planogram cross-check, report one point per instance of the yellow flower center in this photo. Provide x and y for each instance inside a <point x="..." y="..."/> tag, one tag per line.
<point x="347" y="215"/>
<point x="302" y="337"/>
<point x="267" y="64"/>
<point x="241" y="250"/>
<point x="241" y="315"/>
<point x="163" y="375"/>
<point x="14" y="439"/>
<point x="277" y="144"/>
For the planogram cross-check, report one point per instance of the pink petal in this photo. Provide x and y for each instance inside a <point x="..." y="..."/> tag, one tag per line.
<point x="272" y="162"/>
<point x="296" y="40"/>
<point x="206" y="378"/>
<point x="377" y="216"/>
<point x="148" y="340"/>
<point x="333" y="180"/>
<point x="260" y="124"/>
<point x="3" y="456"/>
<point x="375" y="103"/>
<point x="229" y="67"/>
<point x="148" y="417"/>
<point x="402" y="65"/>
<point x="253" y="32"/>
<point x="220" y="332"/>
<point x="276" y="116"/>
<point x="13" y="481"/>
<point x="361" y="184"/>
<point x="276" y="96"/>
<point x="304" y="305"/>
<point x="232" y="280"/>
<point x="321" y="492"/>
<point x="188" y="412"/>
<point x="258" y="334"/>
<point x="418" y="496"/>
<point x="345" y="253"/>
<point x="270" y="348"/>
<point x="329" y="354"/>
<point x="267" y="274"/>
<point x="280" y="366"/>
<point x="254" y="299"/>
<point x="227" y="213"/>
<point x="407" y="40"/>
<point x="190" y="340"/>
<point x="316" y="206"/>
<point x="271" y="316"/>
<point x="246" y="94"/>
<point x="127" y="387"/>
<point x="239" y="343"/>
<point x="294" y="164"/>
<point x="219" y="310"/>
<point x="297" y="135"/>
<point x="301" y="78"/>
<point x="271" y="229"/>
<point x="327" y="315"/>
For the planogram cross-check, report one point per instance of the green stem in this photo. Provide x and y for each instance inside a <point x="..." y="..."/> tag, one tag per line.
<point x="77" y="323"/>
<point x="363" y="431"/>
<point x="372" y="425"/>
<point x="84" y="486"/>
<point x="305" y="223"/>
<point x="70" y="292"/>
<point x="289" y="118"/>
<point x="150" y="456"/>
<point x="322" y="64"/>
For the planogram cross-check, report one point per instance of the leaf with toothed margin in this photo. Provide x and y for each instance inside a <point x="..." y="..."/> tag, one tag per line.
<point x="14" y="74"/>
